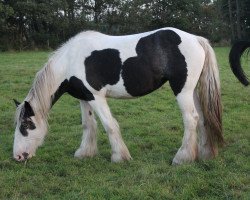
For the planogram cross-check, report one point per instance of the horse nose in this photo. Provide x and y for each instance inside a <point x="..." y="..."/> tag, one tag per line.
<point x="19" y="158"/>
<point x="25" y="155"/>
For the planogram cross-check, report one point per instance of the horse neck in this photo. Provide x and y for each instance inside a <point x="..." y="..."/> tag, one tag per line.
<point x="47" y="81"/>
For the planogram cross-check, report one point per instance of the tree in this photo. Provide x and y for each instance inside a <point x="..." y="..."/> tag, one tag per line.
<point x="45" y="24"/>
<point x="237" y="14"/>
<point x="5" y="12"/>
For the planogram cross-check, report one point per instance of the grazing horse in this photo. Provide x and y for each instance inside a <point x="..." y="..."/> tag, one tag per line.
<point x="93" y="66"/>
<point x="236" y="52"/>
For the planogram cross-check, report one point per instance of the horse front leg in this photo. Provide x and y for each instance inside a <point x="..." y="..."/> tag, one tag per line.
<point x="88" y="147"/>
<point x="119" y="149"/>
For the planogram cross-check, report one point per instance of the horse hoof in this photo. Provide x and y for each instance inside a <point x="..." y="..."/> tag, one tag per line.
<point x="81" y="153"/>
<point x="176" y="162"/>
<point x="116" y="157"/>
<point x="184" y="156"/>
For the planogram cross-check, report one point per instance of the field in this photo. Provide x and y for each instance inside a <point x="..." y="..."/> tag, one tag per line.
<point x="152" y="129"/>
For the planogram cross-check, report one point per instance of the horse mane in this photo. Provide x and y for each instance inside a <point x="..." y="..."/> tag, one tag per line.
<point x="40" y="94"/>
<point x="17" y="115"/>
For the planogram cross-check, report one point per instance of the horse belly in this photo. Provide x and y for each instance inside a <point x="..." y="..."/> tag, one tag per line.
<point x="117" y="91"/>
<point x="137" y="85"/>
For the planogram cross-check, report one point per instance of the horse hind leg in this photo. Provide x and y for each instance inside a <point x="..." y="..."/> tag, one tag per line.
<point x="205" y="148"/>
<point x="188" y="150"/>
<point x="88" y="147"/>
<point x="119" y="149"/>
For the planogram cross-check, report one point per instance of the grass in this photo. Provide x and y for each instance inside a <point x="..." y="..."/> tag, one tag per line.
<point x="152" y="129"/>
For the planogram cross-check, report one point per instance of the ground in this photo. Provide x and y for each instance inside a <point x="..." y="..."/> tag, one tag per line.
<point x="152" y="129"/>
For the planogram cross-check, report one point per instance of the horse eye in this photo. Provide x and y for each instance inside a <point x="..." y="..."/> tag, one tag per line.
<point x="26" y="126"/>
<point x="29" y="120"/>
<point x="32" y="126"/>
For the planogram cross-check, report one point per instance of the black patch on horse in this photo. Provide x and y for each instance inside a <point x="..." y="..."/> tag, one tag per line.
<point x="26" y="124"/>
<point x="25" y="118"/>
<point x="158" y="60"/>
<point x="75" y="87"/>
<point x="103" y="67"/>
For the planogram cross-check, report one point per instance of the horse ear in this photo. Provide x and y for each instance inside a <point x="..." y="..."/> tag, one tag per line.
<point x="28" y="109"/>
<point x="16" y="102"/>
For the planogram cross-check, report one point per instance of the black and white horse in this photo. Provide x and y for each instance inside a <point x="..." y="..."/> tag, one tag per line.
<point x="235" y="54"/>
<point x="92" y="66"/>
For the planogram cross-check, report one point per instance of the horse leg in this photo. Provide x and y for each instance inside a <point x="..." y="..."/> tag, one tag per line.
<point x="88" y="147"/>
<point x="205" y="149"/>
<point x="188" y="150"/>
<point x="119" y="150"/>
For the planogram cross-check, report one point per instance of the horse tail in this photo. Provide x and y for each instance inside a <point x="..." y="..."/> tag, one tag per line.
<point x="210" y="96"/>
<point x="234" y="59"/>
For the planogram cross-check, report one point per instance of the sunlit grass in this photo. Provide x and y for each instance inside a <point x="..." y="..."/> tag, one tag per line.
<point x="152" y="129"/>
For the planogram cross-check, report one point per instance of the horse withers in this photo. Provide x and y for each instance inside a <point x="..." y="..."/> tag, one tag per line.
<point x="93" y="66"/>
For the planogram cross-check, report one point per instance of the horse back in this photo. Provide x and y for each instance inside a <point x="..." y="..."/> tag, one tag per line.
<point x="133" y="65"/>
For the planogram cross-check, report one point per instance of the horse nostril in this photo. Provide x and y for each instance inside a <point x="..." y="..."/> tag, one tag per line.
<point x="25" y="155"/>
<point x="19" y="157"/>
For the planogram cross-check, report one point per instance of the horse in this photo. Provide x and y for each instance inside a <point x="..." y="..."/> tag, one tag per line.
<point x="93" y="66"/>
<point x="235" y="54"/>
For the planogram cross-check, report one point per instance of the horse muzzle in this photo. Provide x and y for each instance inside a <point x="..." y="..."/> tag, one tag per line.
<point x="22" y="157"/>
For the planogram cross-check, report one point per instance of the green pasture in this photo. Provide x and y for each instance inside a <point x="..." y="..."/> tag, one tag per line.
<point x="152" y="129"/>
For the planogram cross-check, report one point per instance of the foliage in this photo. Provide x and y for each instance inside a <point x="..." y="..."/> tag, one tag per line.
<point x="152" y="129"/>
<point x="30" y="24"/>
<point x="236" y="17"/>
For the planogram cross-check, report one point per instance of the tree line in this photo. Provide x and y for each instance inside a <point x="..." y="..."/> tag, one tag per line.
<point x="29" y="24"/>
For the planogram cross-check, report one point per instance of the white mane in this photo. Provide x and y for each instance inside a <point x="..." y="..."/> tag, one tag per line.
<point x="40" y="94"/>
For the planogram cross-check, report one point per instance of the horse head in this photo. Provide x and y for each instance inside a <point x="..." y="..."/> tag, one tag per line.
<point x="29" y="133"/>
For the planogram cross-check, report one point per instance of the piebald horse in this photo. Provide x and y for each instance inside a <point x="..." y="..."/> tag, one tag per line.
<point x="93" y="66"/>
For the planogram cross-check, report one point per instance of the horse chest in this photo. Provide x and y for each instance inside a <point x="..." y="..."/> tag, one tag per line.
<point x="75" y="88"/>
